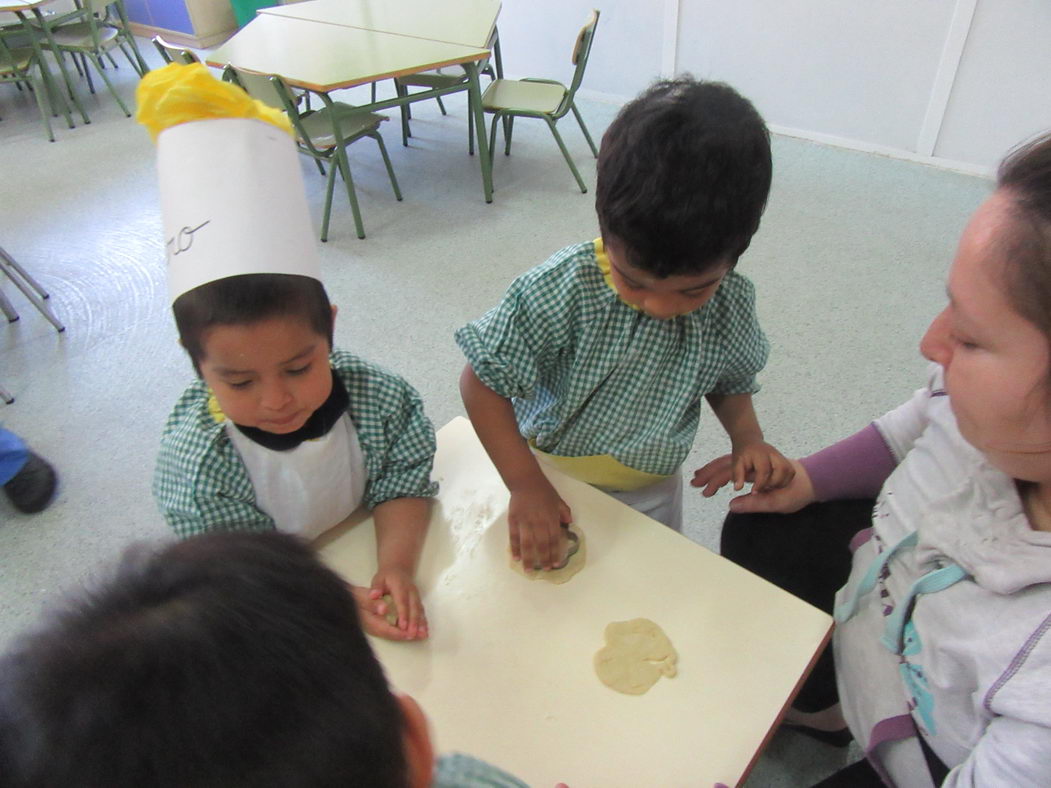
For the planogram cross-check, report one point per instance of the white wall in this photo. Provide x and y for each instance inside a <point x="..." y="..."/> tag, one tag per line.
<point x="950" y="82"/>
<point x="537" y="37"/>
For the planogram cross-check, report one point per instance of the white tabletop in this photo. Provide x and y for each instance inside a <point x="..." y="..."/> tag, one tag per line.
<point x="507" y="672"/>
<point x="466" y="22"/>
<point x="326" y="57"/>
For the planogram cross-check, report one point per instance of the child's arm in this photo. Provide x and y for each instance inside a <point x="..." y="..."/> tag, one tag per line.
<point x="536" y="511"/>
<point x="401" y="527"/>
<point x="754" y="459"/>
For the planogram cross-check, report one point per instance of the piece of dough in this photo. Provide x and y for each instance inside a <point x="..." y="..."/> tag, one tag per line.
<point x="637" y="653"/>
<point x="556" y="576"/>
<point x="392" y="610"/>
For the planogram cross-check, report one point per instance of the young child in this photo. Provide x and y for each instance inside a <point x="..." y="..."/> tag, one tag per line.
<point x="227" y="659"/>
<point x="597" y="360"/>
<point x="280" y="430"/>
<point x="942" y="652"/>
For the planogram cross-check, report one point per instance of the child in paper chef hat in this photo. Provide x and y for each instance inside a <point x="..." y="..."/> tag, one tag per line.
<point x="280" y="431"/>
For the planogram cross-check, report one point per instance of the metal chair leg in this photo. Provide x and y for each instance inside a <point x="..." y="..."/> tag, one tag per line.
<point x="330" y="184"/>
<point x="583" y="128"/>
<point x="8" y="309"/>
<point x="565" y="153"/>
<point x="29" y="287"/>
<point x="344" y="167"/>
<point x="386" y="160"/>
<point x="5" y="396"/>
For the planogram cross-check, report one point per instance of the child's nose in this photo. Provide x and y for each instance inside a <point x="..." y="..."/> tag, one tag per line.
<point x="275" y="395"/>
<point x="661" y="307"/>
<point x="935" y="343"/>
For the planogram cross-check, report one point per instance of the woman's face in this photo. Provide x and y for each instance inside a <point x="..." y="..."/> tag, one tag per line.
<point x="997" y="363"/>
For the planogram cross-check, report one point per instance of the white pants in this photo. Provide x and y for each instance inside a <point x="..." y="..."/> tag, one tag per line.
<point x="661" y="500"/>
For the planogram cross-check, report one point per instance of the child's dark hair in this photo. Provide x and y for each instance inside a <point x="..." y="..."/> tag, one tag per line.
<point x="249" y="298"/>
<point x="1025" y="175"/>
<point x="229" y="659"/>
<point x="683" y="176"/>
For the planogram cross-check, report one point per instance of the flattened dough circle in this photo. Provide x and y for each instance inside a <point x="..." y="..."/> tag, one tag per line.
<point x="637" y="653"/>
<point x="556" y="576"/>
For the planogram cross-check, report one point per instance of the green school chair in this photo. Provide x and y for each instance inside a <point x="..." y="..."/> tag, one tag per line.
<point x="172" y="53"/>
<point x="91" y="31"/>
<point x="323" y="134"/>
<point x="507" y="99"/>
<point x="17" y="66"/>
<point x="447" y="77"/>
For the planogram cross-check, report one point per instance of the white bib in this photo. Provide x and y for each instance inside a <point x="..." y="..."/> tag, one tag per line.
<point x="308" y="489"/>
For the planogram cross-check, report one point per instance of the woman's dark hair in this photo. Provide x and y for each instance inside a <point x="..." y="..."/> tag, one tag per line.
<point x="1025" y="176"/>
<point x="683" y="177"/>
<point x="227" y="660"/>
<point x="249" y="298"/>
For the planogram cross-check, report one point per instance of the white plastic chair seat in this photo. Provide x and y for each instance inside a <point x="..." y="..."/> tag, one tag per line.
<point x="352" y="122"/>
<point x="78" y="36"/>
<point x="18" y="62"/>
<point x="444" y="77"/>
<point x="543" y="97"/>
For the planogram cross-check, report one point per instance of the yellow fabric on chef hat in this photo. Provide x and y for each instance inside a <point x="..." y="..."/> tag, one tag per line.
<point x="231" y="187"/>
<point x="181" y="93"/>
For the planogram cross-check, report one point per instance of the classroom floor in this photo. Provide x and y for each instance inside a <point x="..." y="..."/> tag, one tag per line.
<point x="849" y="265"/>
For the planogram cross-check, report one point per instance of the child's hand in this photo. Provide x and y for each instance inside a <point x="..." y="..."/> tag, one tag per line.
<point x="792" y="497"/>
<point x="372" y="611"/>
<point x="535" y="516"/>
<point x="761" y="464"/>
<point x="399" y="584"/>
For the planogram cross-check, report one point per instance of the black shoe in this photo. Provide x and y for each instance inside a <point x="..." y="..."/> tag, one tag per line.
<point x="840" y="738"/>
<point x="33" y="487"/>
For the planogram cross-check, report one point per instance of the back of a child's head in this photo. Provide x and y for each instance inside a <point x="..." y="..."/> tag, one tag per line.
<point x="246" y="299"/>
<point x="230" y="659"/>
<point x="683" y="177"/>
<point x="1025" y="176"/>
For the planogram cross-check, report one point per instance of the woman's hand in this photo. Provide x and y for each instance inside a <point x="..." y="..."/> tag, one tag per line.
<point x="796" y="493"/>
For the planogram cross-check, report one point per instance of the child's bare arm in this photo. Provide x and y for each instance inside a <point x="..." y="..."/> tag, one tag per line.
<point x="401" y="527"/>
<point x="754" y="459"/>
<point x="536" y="511"/>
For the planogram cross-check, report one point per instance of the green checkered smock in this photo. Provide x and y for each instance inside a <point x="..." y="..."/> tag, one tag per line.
<point x="201" y="484"/>
<point x="588" y="374"/>
<point x="457" y="770"/>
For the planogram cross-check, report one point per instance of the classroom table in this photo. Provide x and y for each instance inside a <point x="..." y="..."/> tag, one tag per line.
<point x="35" y="31"/>
<point x="324" y="57"/>
<point x="507" y="672"/>
<point x="466" y="22"/>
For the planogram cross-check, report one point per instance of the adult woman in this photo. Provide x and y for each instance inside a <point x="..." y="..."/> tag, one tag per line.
<point x="942" y="652"/>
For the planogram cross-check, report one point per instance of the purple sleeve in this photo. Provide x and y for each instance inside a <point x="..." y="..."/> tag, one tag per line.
<point x="855" y="467"/>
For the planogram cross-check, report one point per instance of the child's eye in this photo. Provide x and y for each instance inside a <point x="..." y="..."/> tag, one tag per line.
<point x="966" y="344"/>
<point x="298" y="370"/>
<point x="243" y="384"/>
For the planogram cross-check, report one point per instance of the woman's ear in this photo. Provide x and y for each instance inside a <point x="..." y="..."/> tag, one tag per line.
<point x="416" y="740"/>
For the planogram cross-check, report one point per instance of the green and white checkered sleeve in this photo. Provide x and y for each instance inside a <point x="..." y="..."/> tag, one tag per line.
<point x="746" y="346"/>
<point x="200" y="483"/>
<point x="505" y="346"/>
<point x="399" y="430"/>
<point x="456" y="770"/>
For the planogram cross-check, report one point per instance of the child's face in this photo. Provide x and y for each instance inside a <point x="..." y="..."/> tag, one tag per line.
<point x="272" y="374"/>
<point x="659" y="298"/>
<point x="997" y="363"/>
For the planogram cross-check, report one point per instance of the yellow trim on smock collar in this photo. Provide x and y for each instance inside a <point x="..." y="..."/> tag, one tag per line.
<point x="602" y="259"/>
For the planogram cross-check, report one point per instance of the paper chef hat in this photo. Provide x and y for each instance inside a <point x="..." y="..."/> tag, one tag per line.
<point x="232" y="196"/>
